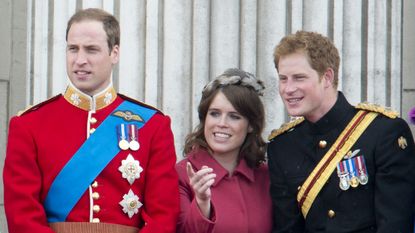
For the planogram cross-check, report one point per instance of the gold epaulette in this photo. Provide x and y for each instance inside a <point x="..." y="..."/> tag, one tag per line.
<point x="285" y="127"/>
<point x="377" y="108"/>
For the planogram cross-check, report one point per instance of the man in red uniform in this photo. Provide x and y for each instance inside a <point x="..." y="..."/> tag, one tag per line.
<point x="91" y="158"/>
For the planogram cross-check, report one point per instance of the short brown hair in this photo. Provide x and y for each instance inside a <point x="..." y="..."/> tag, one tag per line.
<point x="319" y="50"/>
<point x="109" y="22"/>
<point x="242" y="90"/>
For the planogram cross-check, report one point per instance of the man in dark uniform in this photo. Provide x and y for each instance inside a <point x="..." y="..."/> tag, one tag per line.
<point x="91" y="160"/>
<point x="336" y="167"/>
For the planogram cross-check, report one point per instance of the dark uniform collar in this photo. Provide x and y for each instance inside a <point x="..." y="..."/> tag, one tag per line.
<point x="337" y="116"/>
<point x="90" y="103"/>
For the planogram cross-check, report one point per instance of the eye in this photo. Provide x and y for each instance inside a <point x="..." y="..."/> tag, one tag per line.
<point x="300" y="77"/>
<point x="214" y="113"/>
<point x="282" y="78"/>
<point x="92" y="50"/>
<point x="235" y="116"/>
<point x="72" y="49"/>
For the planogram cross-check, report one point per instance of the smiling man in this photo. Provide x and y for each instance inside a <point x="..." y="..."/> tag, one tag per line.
<point x="91" y="160"/>
<point x="337" y="167"/>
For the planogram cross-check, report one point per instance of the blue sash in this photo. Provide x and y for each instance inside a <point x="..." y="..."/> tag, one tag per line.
<point x="88" y="162"/>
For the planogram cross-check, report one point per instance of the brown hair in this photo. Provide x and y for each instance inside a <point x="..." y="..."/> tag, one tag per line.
<point x="319" y="50"/>
<point x="109" y="22"/>
<point x="243" y="91"/>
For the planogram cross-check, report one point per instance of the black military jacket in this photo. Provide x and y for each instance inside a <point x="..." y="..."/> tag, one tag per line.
<point x="384" y="204"/>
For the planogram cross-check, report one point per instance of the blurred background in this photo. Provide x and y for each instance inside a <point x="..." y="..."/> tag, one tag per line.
<point x="170" y="49"/>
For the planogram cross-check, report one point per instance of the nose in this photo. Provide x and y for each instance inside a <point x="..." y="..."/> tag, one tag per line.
<point x="80" y="58"/>
<point x="223" y="121"/>
<point x="289" y="86"/>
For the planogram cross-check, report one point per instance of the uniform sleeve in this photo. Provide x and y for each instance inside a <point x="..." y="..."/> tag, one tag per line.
<point x="161" y="192"/>
<point x="22" y="183"/>
<point x="286" y="214"/>
<point x="191" y="219"/>
<point x="395" y="177"/>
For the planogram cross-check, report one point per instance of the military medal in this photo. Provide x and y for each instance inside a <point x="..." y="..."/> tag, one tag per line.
<point x="134" y="145"/>
<point x="344" y="182"/>
<point x="133" y="137"/>
<point x="122" y="137"/>
<point x="344" y="176"/>
<point x="130" y="203"/>
<point x="354" y="181"/>
<point x="352" y="170"/>
<point x="130" y="169"/>
<point x="123" y="144"/>
<point x="361" y="164"/>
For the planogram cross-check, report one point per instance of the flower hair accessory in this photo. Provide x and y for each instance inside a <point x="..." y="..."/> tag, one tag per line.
<point x="412" y="115"/>
<point x="236" y="77"/>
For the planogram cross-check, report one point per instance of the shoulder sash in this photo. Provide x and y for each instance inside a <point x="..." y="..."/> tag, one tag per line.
<point x="88" y="162"/>
<point x="321" y="173"/>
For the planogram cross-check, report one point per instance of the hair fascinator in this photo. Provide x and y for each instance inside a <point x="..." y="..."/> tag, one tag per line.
<point x="412" y="115"/>
<point x="236" y="77"/>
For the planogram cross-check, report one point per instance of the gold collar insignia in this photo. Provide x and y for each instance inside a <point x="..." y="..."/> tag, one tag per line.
<point x="90" y="103"/>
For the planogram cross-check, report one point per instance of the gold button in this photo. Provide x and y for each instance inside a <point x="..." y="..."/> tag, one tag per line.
<point x="331" y="213"/>
<point x="96" y="208"/>
<point x="92" y="130"/>
<point x="95" y="220"/>
<point x="95" y="184"/>
<point x="95" y="195"/>
<point x="322" y="144"/>
<point x="93" y="120"/>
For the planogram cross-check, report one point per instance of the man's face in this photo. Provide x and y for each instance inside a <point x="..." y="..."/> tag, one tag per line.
<point x="302" y="90"/>
<point x="88" y="59"/>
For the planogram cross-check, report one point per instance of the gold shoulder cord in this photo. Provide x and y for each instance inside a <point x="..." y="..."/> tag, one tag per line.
<point x="285" y="127"/>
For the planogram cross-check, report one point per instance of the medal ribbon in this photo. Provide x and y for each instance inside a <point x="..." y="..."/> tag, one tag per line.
<point x="321" y="173"/>
<point x="133" y="132"/>
<point x="88" y="162"/>
<point x="361" y="164"/>
<point x="351" y="168"/>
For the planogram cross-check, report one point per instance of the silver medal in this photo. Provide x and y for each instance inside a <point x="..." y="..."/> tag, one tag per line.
<point x="344" y="183"/>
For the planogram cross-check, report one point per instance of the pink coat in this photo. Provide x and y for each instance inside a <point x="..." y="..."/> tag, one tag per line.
<point x="241" y="203"/>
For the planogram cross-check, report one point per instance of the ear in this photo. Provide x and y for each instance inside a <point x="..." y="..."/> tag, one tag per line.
<point x="328" y="77"/>
<point x="250" y="129"/>
<point x="115" y="54"/>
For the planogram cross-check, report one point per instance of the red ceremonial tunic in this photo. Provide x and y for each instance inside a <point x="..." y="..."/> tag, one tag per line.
<point x="44" y="138"/>
<point x="241" y="203"/>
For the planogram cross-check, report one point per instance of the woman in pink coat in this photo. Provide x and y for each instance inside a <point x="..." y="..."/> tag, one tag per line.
<point x="223" y="180"/>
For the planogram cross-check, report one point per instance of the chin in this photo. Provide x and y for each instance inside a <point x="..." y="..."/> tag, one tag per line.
<point x="294" y="113"/>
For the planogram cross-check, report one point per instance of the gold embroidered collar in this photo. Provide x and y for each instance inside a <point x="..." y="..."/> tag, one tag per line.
<point x="90" y="103"/>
